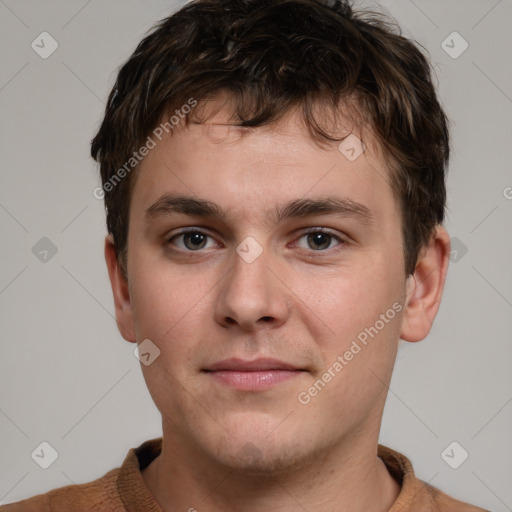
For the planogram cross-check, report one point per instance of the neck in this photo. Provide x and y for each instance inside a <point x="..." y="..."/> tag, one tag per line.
<point x="349" y="477"/>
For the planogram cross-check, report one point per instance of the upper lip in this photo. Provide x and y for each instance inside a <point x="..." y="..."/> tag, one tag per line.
<point x="235" y="364"/>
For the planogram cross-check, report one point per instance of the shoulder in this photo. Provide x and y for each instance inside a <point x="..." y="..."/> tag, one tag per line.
<point x="98" y="495"/>
<point x="416" y="494"/>
<point x="109" y="492"/>
<point x="442" y="502"/>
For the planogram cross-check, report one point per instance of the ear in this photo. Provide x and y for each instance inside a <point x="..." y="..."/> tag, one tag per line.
<point x="120" y="290"/>
<point x="425" y="287"/>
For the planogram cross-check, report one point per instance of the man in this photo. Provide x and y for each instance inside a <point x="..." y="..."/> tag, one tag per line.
<point x="273" y="173"/>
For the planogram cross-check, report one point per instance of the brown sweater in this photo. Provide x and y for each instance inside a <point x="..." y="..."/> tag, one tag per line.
<point x="123" y="489"/>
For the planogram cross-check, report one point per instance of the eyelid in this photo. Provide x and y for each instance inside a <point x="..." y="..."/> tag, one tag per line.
<point x="320" y="229"/>
<point x="327" y="231"/>
<point x="305" y="231"/>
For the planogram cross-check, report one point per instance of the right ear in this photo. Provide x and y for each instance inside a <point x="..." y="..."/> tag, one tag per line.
<point x="120" y="290"/>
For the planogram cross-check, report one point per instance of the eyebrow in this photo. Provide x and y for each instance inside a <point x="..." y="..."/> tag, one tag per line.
<point x="297" y="208"/>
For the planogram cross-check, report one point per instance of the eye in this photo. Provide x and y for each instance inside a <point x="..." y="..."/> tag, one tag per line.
<point x="192" y="240"/>
<point x="319" y="239"/>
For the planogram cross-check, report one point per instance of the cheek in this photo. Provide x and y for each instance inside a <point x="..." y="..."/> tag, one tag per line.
<point x="170" y="309"/>
<point x="358" y="348"/>
<point x="167" y="302"/>
<point x="354" y="315"/>
<point x="344" y="302"/>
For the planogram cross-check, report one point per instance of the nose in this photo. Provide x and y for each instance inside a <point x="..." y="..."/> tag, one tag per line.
<point x="251" y="296"/>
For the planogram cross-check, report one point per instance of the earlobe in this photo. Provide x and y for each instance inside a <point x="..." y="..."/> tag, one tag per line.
<point x="120" y="291"/>
<point x="425" y="287"/>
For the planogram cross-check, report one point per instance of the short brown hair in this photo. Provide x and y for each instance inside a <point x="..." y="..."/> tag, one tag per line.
<point x="273" y="56"/>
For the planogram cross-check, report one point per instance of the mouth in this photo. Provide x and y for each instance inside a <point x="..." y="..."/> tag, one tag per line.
<point x="256" y="375"/>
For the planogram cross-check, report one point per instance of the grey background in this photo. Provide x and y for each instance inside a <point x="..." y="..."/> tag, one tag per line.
<point x="66" y="375"/>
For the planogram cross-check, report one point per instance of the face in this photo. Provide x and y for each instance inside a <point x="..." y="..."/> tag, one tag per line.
<point x="277" y="325"/>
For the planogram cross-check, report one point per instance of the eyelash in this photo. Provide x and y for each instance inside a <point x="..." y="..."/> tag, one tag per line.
<point x="305" y="233"/>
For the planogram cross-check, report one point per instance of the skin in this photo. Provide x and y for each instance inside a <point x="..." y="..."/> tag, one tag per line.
<point x="295" y="302"/>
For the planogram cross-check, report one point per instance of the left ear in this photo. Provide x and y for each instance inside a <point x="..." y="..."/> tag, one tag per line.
<point x="425" y="287"/>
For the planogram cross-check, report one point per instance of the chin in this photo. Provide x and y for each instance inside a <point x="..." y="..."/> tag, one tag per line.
<point x="263" y="459"/>
<point x="262" y="451"/>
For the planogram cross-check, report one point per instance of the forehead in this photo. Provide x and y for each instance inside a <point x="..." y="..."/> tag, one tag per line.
<point x="250" y="169"/>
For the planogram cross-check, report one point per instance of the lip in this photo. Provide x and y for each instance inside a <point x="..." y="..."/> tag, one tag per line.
<point x="241" y="365"/>
<point x="256" y="375"/>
